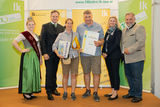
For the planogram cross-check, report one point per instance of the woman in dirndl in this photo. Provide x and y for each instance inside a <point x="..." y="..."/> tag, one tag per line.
<point x="29" y="79"/>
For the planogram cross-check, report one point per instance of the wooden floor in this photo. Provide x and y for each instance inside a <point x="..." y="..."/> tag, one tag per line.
<point x="10" y="98"/>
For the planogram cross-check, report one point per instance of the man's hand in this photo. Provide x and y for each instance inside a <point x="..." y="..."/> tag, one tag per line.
<point x="98" y="43"/>
<point x="46" y="56"/>
<point x="126" y="51"/>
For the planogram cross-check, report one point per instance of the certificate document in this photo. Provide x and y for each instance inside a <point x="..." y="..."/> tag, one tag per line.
<point x="63" y="48"/>
<point x="88" y="45"/>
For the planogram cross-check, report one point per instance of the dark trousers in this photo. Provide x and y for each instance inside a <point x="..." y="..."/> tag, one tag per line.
<point x="113" y="70"/>
<point x="133" y="72"/>
<point x="51" y="74"/>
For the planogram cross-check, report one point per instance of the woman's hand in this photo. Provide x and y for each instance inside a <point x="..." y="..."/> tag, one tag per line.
<point x="60" y="56"/>
<point x="41" y="61"/>
<point x="79" y="50"/>
<point x="25" y="50"/>
<point x="104" y="55"/>
<point x="15" y="44"/>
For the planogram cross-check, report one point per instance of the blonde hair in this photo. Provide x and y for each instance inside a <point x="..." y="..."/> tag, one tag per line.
<point x="117" y="23"/>
<point x="130" y="13"/>
<point x="30" y="19"/>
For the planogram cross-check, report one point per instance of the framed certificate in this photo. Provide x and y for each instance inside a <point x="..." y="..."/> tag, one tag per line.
<point x="88" y="45"/>
<point x="63" y="48"/>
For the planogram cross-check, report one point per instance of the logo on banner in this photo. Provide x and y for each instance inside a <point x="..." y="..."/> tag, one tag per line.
<point x="10" y="18"/>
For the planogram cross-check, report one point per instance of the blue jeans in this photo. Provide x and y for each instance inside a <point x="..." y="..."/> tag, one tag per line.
<point x="133" y="72"/>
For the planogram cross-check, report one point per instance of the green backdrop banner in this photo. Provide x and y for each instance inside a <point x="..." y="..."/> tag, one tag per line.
<point x="142" y="10"/>
<point x="11" y="24"/>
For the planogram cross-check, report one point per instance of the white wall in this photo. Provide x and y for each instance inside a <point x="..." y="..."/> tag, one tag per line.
<point x="69" y="4"/>
<point x="156" y="48"/>
<point x="26" y="10"/>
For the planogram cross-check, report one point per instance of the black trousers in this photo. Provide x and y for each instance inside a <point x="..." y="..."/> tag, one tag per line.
<point x="113" y="70"/>
<point x="51" y="73"/>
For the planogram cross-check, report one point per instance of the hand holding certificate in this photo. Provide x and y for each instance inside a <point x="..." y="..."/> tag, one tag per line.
<point x="63" y="48"/>
<point x="88" y="45"/>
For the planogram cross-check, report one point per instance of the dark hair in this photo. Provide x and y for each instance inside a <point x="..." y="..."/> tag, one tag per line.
<point x="68" y="20"/>
<point x="55" y="11"/>
<point x="87" y="12"/>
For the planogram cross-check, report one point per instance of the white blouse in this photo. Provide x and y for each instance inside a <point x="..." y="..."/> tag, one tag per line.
<point x="21" y="37"/>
